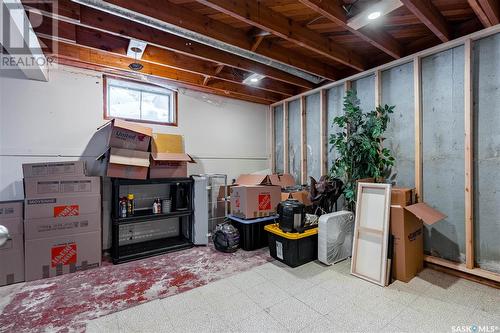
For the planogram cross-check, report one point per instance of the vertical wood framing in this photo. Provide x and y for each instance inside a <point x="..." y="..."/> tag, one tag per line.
<point x="378" y="88"/>
<point x="286" y="167"/>
<point x="323" y="133"/>
<point x="347" y="86"/>
<point x="303" y="142"/>
<point x="417" y="84"/>
<point x="273" y="139"/>
<point x="469" y="161"/>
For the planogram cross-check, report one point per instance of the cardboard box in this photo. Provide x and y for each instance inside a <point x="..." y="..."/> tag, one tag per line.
<point x="168" y="159"/>
<point x="284" y="180"/>
<point x="406" y="226"/>
<point x="61" y="206"/>
<point x="61" y="226"/>
<point x="59" y="169"/>
<point x="11" y="210"/>
<point x="46" y="186"/>
<point x="128" y="135"/>
<point x="12" y="259"/>
<point x="253" y="201"/>
<point x="302" y="196"/>
<point x="49" y="257"/>
<point x="126" y="163"/>
<point x="249" y="179"/>
<point x="402" y="196"/>
<point x="12" y="252"/>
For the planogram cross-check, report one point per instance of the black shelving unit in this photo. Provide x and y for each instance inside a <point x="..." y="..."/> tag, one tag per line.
<point x="126" y="248"/>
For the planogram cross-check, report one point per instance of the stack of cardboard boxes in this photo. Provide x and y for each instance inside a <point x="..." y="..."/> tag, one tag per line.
<point x="12" y="252"/>
<point x="128" y="153"/>
<point x="62" y="219"/>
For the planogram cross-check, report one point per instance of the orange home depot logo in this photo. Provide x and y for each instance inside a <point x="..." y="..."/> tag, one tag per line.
<point x="70" y="210"/>
<point x="264" y="201"/>
<point x="64" y="254"/>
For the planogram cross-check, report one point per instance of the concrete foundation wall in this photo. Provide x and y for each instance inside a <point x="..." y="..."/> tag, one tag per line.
<point x="397" y="89"/>
<point x="487" y="149"/>
<point x="365" y="89"/>
<point x="313" y="121"/>
<point x="443" y="151"/>
<point x="334" y="105"/>
<point x="294" y="139"/>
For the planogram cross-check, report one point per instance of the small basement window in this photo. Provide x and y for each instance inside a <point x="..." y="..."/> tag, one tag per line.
<point x="136" y="101"/>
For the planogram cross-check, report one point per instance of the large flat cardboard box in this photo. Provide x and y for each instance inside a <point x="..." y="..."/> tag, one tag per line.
<point x="46" y="186"/>
<point x="128" y="135"/>
<point x="406" y="226"/>
<point x="12" y="260"/>
<point x="253" y="201"/>
<point x="12" y="252"/>
<point x="168" y="159"/>
<point x="57" y="169"/>
<point x="126" y="163"/>
<point x="61" y="226"/>
<point x="49" y="257"/>
<point x="61" y="206"/>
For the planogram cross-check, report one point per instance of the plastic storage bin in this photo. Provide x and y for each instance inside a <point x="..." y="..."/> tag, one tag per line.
<point x="292" y="248"/>
<point x="252" y="233"/>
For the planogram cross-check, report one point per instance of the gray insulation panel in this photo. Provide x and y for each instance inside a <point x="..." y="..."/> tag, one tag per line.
<point x="335" y="101"/>
<point x="365" y="89"/>
<point x="278" y="138"/>
<point x="397" y="89"/>
<point x="294" y="138"/>
<point x="487" y="149"/>
<point x="313" y="121"/>
<point x="335" y="233"/>
<point x="443" y="151"/>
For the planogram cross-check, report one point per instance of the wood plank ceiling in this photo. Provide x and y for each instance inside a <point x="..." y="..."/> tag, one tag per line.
<point x="309" y="36"/>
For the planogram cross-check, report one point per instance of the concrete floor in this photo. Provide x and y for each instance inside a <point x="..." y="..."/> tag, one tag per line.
<point x="315" y="298"/>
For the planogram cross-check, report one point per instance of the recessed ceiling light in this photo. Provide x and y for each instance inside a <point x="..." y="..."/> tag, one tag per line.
<point x="374" y="15"/>
<point x="253" y="79"/>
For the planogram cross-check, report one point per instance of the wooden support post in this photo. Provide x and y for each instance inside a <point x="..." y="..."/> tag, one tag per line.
<point x="303" y="141"/>
<point x="378" y="88"/>
<point x="469" y="158"/>
<point x="273" y="138"/>
<point x="323" y="132"/>
<point x="347" y="86"/>
<point x="417" y="86"/>
<point x="286" y="155"/>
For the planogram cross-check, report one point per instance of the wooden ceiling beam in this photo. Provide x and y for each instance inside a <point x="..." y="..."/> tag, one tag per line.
<point x="335" y="13"/>
<point x="492" y="10"/>
<point x="256" y="14"/>
<point x="429" y="15"/>
<point x="182" y="17"/>
<point x="107" y="59"/>
<point x="481" y="15"/>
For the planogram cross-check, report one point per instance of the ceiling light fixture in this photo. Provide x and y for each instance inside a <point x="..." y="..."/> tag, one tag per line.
<point x="374" y="15"/>
<point x="136" y="49"/>
<point x="253" y="79"/>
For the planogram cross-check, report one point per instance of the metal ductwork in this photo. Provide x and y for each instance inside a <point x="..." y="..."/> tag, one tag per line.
<point x="196" y="37"/>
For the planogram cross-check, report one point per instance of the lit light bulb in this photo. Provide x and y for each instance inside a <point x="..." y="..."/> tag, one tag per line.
<point x="374" y="15"/>
<point x="254" y="79"/>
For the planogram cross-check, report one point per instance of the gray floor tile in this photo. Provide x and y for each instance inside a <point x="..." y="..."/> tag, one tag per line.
<point x="293" y="314"/>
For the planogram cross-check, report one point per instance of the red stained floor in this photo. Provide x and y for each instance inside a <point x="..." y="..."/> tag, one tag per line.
<point x="65" y="303"/>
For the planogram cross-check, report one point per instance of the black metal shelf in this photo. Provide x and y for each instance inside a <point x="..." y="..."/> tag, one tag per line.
<point x="143" y="215"/>
<point x="151" y="247"/>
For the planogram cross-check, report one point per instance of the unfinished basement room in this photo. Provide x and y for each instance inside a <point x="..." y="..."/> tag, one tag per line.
<point x="213" y="166"/>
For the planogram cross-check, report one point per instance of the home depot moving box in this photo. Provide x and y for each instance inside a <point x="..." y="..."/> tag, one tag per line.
<point x="168" y="159"/>
<point x="12" y="252"/>
<point x="126" y="163"/>
<point x="406" y="227"/>
<point x="56" y="169"/>
<point x="128" y="135"/>
<point x="254" y="197"/>
<point x="49" y="257"/>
